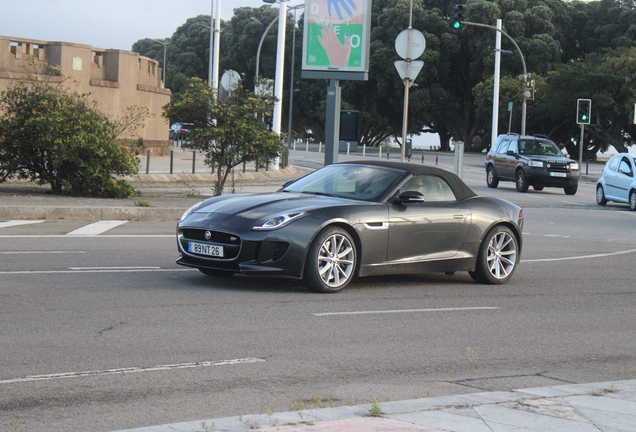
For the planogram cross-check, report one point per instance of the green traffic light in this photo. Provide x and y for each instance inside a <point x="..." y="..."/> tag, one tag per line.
<point x="457" y="24"/>
<point x="584" y="117"/>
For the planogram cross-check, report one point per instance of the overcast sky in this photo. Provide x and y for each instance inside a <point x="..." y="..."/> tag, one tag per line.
<point x="105" y="23"/>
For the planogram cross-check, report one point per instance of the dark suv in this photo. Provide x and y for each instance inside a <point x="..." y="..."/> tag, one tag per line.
<point x="530" y="161"/>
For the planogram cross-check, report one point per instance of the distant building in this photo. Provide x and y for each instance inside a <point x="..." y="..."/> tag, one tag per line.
<point x="115" y="79"/>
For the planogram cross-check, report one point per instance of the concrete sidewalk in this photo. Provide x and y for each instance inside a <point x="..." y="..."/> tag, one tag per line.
<point x="606" y="407"/>
<point x="165" y="196"/>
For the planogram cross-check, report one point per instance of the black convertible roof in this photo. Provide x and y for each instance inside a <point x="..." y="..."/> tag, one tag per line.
<point x="462" y="191"/>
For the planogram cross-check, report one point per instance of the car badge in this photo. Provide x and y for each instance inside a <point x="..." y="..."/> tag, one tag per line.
<point x="208" y="235"/>
<point x="233" y="239"/>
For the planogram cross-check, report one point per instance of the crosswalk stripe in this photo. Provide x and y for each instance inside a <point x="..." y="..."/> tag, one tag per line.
<point x="18" y="222"/>
<point x="97" y="228"/>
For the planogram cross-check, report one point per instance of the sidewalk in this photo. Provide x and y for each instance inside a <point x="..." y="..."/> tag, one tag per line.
<point x="606" y="407"/>
<point x="166" y="196"/>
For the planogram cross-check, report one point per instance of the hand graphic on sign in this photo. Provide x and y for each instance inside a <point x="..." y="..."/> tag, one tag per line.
<point x="337" y="52"/>
<point x="337" y="4"/>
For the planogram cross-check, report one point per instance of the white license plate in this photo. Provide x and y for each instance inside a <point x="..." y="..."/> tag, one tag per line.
<point x="557" y="174"/>
<point x="205" y="249"/>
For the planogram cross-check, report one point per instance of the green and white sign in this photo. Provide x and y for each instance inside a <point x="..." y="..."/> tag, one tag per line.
<point x="336" y="37"/>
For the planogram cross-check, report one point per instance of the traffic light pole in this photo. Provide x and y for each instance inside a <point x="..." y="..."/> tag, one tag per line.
<point x="525" y="71"/>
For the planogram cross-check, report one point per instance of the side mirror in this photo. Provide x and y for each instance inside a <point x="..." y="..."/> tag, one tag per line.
<point x="409" y="197"/>
<point x="511" y="153"/>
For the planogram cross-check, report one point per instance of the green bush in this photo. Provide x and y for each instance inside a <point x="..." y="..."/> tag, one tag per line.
<point x="52" y="135"/>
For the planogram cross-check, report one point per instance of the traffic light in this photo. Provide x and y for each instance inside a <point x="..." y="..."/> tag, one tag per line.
<point x="458" y="15"/>
<point x="583" y="111"/>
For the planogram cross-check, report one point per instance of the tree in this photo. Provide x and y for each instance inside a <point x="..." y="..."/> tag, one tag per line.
<point x="51" y="135"/>
<point x="229" y="132"/>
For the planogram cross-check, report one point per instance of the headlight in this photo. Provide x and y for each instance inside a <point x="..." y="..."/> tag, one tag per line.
<point x="574" y="166"/>
<point x="277" y="221"/>
<point x="534" y="163"/>
<point x="189" y="211"/>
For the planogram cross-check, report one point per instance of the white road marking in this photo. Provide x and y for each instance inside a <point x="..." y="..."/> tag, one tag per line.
<point x="404" y="311"/>
<point x="91" y="235"/>
<point x="18" y="222"/>
<point x="141" y="270"/>
<point x="557" y="235"/>
<point x="581" y="257"/>
<point x="41" y="252"/>
<point x="130" y="370"/>
<point x="575" y="203"/>
<point x="115" y="268"/>
<point x="97" y="228"/>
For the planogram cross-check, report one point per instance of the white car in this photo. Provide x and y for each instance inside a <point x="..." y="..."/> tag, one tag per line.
<point x="618" y="181"/>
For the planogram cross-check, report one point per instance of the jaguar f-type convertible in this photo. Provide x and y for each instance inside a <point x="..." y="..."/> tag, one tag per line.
<point x="355" y="219"/>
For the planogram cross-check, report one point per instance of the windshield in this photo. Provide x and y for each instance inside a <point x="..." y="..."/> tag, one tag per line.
<point x="361" y="182"/>
<point x="536" y="147"/>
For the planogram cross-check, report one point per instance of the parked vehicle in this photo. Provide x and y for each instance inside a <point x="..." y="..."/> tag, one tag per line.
<point x="359" y="218"/>
<point x="530" y="161"/>
<point x="618" y="181"/>
<point x="179" y="131"/>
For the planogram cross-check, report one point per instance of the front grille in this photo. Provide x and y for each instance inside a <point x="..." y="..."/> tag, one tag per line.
<point x="231" y="243"/>
<point x="216" y="236"/>
<point x="557" y="166"/>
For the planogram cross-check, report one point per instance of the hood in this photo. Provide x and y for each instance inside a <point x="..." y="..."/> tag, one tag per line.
<point x="257" y="206"/>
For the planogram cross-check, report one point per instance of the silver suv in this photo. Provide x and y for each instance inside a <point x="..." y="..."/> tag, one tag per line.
<point x="530" y="161"/>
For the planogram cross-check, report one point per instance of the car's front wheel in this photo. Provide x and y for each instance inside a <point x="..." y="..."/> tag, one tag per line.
<point x="571" y="190"/>
<point x="632" y="200"/>
<point x="600" y="196"/>
<point x="522" y="182"/>
<point x="491" y="178"/>
<point x="331" y="261"/>
<point x="498" y="257"/>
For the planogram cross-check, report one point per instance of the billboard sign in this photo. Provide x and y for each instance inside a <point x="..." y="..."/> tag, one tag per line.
<point x="336" y="39"/>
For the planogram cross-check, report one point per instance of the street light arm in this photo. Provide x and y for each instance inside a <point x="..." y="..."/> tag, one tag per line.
<point x="523" y="61"/>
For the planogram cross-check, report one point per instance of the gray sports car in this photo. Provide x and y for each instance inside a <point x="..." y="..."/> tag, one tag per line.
<point x="355" y="219"/>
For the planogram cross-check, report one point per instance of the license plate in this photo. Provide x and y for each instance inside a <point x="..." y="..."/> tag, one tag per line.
<point x="205" y="249"/>
<point x="557" y="174"/>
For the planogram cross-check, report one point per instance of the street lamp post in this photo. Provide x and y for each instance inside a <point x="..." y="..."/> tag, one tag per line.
<point x="291" y="90"/>
<point x="163" y="70"/>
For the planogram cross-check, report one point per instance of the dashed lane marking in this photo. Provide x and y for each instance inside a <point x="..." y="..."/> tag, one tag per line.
<point x="130" y="370"/>
<point x="18" y="222"/>
<point x="97" y="228"/>
<point x="404" y="311"/>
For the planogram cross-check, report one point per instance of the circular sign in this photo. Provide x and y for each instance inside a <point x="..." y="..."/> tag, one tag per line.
<point x="418" y="44"/>
<point x="230" y="80"/>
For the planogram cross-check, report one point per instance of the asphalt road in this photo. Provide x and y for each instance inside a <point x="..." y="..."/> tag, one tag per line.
<point x="105" y="332"/>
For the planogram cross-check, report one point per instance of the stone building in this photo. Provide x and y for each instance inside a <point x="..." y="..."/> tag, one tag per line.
<point x="115" y="79"/>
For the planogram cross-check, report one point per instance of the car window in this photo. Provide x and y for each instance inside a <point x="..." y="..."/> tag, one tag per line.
<point x="613" y="163"/>
<point x="503" y="146"/>
<point x="433" y="188"/>
<point x="348" y="181"/>
<point x="513" y="147"/>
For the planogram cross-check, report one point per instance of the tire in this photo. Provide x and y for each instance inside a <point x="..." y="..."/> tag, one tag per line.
<point x="216" y="273"/>
<point x="571" y="190"/>
<point x="331" y="261"/>
<point x="600" y="196"/>
<point x="521" y="181"/>
<point x="537" y="188"/>
<point x="497" y="258"/>
<point x="491" y="178"/>
<point x="632" y="200"/>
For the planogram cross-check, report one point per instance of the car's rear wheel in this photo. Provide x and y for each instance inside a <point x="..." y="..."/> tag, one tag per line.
<point x="600" y="196"/>
<point x="632" y="200"/>
<point x="216" y="273"/>
<point x="571" y="190"/>
<point x="331" y="261"/>
<point x="522" y="181"/>
<point x="491" y="178"/>
<point x="498" y="257"/>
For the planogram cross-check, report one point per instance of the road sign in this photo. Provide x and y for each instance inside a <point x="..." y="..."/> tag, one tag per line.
<point x="418" y="44"/>
<point x="416" y="67"/>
